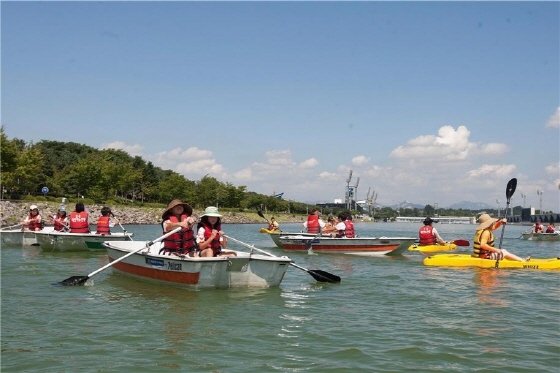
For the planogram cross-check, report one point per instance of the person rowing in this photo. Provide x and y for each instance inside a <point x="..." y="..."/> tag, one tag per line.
<point x="483" y="246"/>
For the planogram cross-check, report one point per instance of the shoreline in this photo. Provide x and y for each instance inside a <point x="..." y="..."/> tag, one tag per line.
<point x="11" y="213"/>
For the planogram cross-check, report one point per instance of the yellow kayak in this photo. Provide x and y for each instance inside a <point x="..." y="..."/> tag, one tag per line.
<point x="466" y="260"/>
<point x="264" y="230"/>
<point x="432" y="248"/>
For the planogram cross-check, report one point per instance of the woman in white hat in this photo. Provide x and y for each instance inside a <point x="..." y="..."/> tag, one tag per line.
<point x="33" y="221"/>
<point x="483" y="246"/>
<point x="210" y="237"/>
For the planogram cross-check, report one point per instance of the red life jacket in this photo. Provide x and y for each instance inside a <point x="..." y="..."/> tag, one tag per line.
<point x="79" y="222"/>
<point x="313" y="224"/>
<point x="34" y="223"/>
<point x="550" y="229"/>
<point x="103" y="225"/>
<point x="426" y="235"/>
<point x="181" y="242"/>
<point x="349" y="232"/>
<point x="59" y="224"/>
<point x="215" y="244"/>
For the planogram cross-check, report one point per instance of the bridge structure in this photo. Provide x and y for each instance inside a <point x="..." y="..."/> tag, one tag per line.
<point x="439" y="219"/>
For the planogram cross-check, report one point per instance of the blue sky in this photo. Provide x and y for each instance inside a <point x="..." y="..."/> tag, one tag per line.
<point x="430" y="102"/>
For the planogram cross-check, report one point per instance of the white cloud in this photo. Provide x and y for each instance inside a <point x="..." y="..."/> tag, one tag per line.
<point x="450" y="144"/>
<point x="553" y="169"/>
<point x="133" y="150"/>
<point x="554" y="120"/>
<point x="309" y="163"/>
<point x="492" y="148"/>
<point x="200" y="167"/>
<point x="360" y="160"/>
<point x="493" y="170"/>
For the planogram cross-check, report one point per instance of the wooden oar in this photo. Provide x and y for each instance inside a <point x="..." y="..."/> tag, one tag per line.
<point x="80" y="280"/>
<point x="510" y="189"/>
<point x="317" y="274"/>
<point x="12" y="226"/>
<point x="120" y="225"/>
<point x="259" y="212"/>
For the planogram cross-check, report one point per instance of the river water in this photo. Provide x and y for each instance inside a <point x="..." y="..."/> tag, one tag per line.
<point x="389" y="314"/>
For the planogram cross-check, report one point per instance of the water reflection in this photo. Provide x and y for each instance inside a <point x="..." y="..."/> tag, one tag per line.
<point x="492" y="303"/>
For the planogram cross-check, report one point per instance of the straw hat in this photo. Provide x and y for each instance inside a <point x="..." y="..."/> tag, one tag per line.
<point x="176" y="202"/>
<point x="33" y="207"/>
<point x="212" y="211"/>
<point x="485" y="221"/>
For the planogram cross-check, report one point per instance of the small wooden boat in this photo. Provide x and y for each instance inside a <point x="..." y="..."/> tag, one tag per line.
<point x="244" y="270"/>
<point x="65" y="241"/>
<point x="17" y="237"/>
<point x="466" y="260"/>
<point x="364" y="246"/>
<point x="529" y="236"/>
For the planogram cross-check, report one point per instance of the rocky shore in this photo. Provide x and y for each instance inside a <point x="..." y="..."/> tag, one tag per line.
<point x="12" y="213"/>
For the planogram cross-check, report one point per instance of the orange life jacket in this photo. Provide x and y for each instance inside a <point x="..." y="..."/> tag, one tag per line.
<point x="79" y="222"/>
<point x="313" y="224"/>
<point x="181" y="242"/>
<point x="103" y="225"/>
<point x="426" y="235"/>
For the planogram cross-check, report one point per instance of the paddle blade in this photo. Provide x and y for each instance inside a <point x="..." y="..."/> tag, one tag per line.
<point x="259" y="212"/>
<point x="75" y="281"/>
<point x="323" y="276"/>
<point x="461" y="242"/>
<point x="510" y="188"/>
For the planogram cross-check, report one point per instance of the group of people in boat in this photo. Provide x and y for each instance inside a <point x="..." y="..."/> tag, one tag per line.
<point x="337" y="227"/>
<point x="538" y="227"/>
<point x="77" y="222"/>
<point x="484" y="240"/>
<point x="209" y="240"/>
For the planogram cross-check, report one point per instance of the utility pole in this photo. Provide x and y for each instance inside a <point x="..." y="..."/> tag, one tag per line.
<point x="348" y="190"/>
<point x="368" y="201"/>
<point x="356" y="193"/>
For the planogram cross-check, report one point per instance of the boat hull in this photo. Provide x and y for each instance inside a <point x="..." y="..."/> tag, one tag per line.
<point x="15" y="237"/>
<point x="275" y="236"/>
<point x="363" y="246"/>
<point x="64" y="241"/>
<point x="466" y="260"/>
<point x="432" y="248"/>
<point x="243" y="271"/>
<point x="264" y="230"/>
<point x="540" y="236"/>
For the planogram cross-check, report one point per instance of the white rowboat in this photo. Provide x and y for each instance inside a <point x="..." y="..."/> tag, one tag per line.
<point x="246" y="270"/>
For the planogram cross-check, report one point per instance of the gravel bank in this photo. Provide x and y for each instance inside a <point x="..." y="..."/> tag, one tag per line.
<point x="13" y="212"/>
